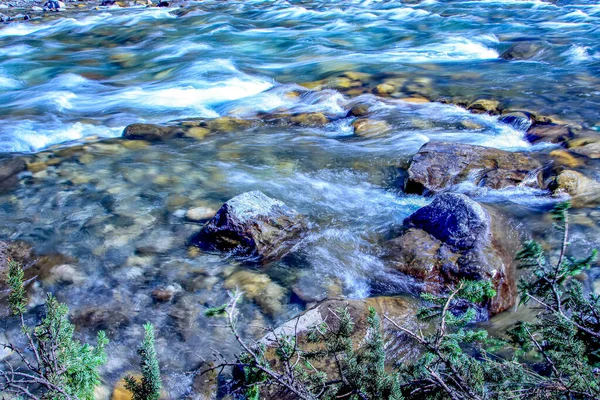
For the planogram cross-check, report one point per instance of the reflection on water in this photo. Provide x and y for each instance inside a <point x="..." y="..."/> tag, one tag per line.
<point x="118" y="207"/>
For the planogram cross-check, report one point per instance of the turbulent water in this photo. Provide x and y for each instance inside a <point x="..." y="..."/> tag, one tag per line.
<point x="118" y="211"/>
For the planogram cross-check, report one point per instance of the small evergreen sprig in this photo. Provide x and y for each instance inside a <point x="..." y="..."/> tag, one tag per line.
<point x="58" y="366"/>
<point x="283" y="366"/>
<point x="148" y="388"/>
<point x="17" y="300"/>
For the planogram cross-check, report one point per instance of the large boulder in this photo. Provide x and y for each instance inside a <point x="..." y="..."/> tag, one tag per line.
<point x="439" y="165"/>
<point x="252" y="225"/>
<point x="9" y="170"/>
<point x="456" y="238"/>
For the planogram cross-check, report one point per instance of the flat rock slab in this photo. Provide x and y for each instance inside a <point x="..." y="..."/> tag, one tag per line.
<point x="439" y="165"/>
<point x="252" y="225"/>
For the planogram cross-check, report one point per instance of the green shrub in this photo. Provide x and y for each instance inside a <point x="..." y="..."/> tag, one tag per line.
<point x="54" y="365"/>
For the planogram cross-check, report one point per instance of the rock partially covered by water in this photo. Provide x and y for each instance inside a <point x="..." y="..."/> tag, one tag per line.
<point x="455" y="238"/>
<point x="252" y="225"/>
<point x="9" y="169"/>
<point x="440" y="165"/>
<point x="522" y="51"/>
<point x="151" y="132"/>
<point x="552" y="133"/>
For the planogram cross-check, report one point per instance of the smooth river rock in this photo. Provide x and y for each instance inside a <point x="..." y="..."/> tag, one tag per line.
<point x="252" y="225"/>
<point x="439" y="165"/>
<point x="151" y="132"/>
<point x="456" y="238"/>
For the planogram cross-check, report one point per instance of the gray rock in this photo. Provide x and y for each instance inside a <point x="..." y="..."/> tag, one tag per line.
<point x="454" y="219"/>
<point x="252" y="225"/>
<point x="439" y="165"/>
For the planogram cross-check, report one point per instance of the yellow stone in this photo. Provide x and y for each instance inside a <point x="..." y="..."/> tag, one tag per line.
<point x="316" y="85"/>
<point x="135" y="144"/>
<point x="310" y="119"/>
<point x="37" y="166"/>
<point x="86" y="158"/>
<point x="384" y="89"/>
<point x="356" y="76"/>
<point x="54" y="161"/>
<point x="161" y="180"/>
<point x="416" y="100"/>
<point x="197" y="133"/>
<point x="471" y="125"/>
<point x="369" y="127"/>
<point x="193" y="252"/>
<point x="81" y="179"/>
<point x="566" y="158"/>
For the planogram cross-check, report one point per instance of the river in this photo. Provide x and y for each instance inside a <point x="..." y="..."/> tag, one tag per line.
<point x="118" y="212"/>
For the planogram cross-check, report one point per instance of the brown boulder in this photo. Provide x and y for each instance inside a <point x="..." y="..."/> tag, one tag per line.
<point x="439" y="165"/>
<point x="455" y="238"/>
<point x="150" y="132"/>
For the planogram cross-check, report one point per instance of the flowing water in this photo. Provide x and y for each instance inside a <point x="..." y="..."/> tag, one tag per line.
<point x="117" y="208"/>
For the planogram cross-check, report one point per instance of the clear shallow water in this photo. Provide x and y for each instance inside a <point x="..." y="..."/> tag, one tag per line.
<point x="118" y="210"/>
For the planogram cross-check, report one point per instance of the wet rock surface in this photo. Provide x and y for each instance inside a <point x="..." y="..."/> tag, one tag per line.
<point x="455" y="238"/>
<point x="252" y="225"/>
<point x="439" y="165"/>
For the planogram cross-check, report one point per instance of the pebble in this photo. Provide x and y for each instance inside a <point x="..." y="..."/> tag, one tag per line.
<point x="200" y="214"/>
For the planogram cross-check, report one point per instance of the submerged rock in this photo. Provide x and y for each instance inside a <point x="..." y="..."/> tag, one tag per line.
<point x="520" y="120"/>
<point x="455" y="238"/>
<point x="548" y="133"/>
<point x="9" y="169"/>
<point x="522" y="51"/>
<point x="252" y="225"/>
<point x="259" y="288"/>
<point x="439" y="165"/>
<point x="586" y="146"/>
<point x="367" y="127"/>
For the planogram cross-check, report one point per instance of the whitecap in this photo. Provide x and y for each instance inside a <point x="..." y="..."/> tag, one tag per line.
<point x="32" y="136"/>
<point x="453" y="49"/>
